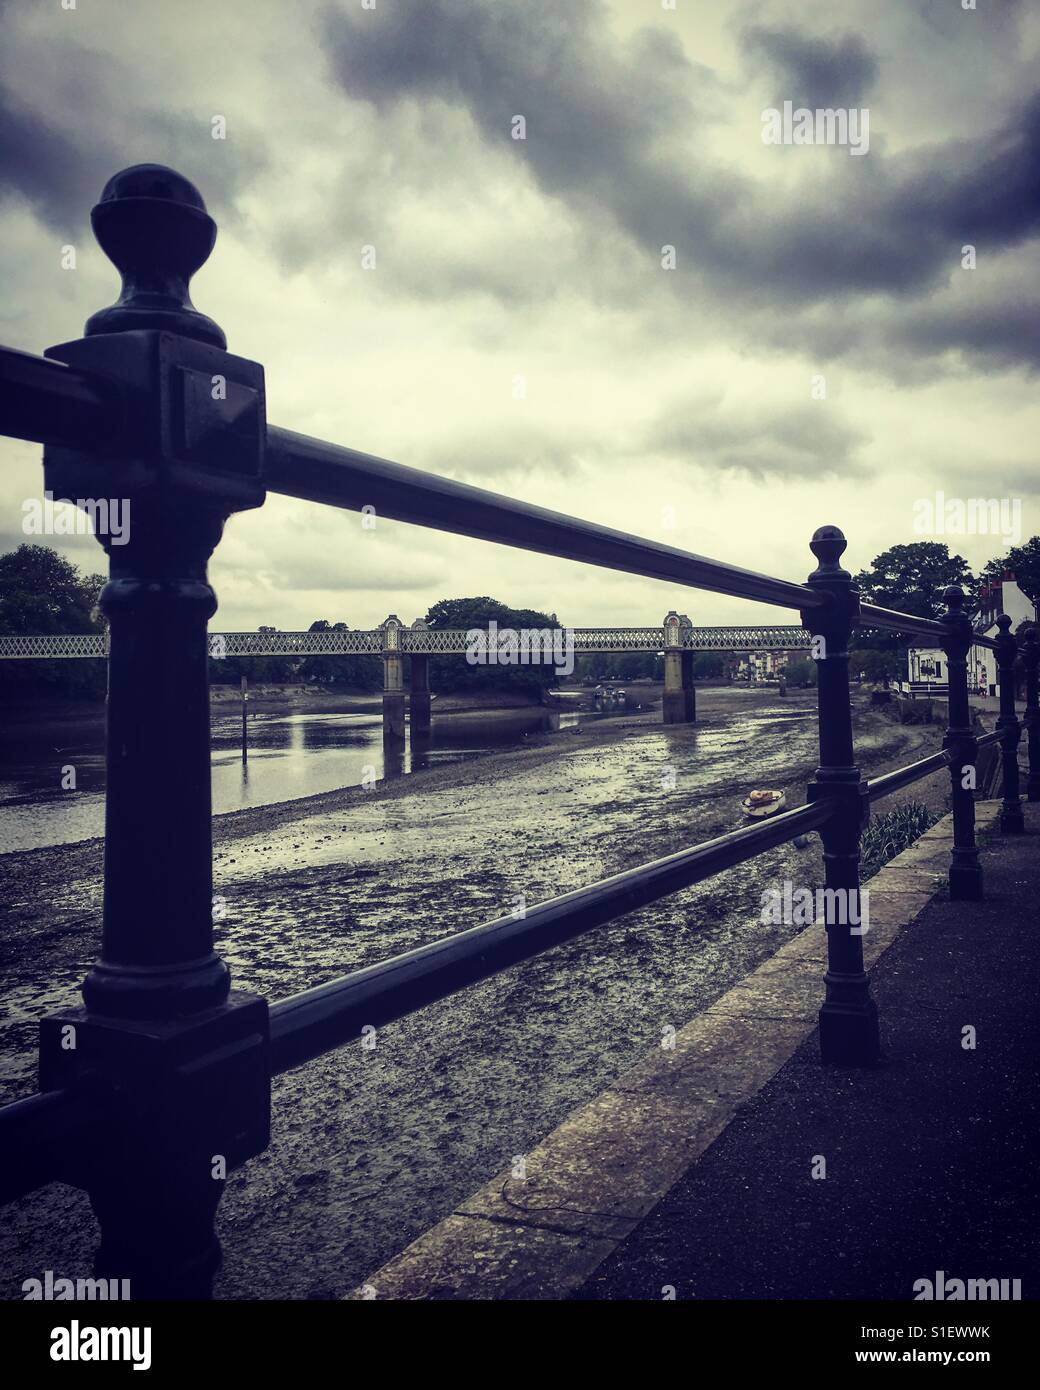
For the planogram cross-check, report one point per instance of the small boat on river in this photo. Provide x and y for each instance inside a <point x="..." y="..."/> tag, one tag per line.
<point x="758" y="805"/>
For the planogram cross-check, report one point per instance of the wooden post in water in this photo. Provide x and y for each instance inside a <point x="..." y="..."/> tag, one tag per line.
<point x="245" y="718"/>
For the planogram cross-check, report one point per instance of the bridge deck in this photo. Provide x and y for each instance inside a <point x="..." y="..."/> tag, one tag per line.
<point x="417" y="641"/>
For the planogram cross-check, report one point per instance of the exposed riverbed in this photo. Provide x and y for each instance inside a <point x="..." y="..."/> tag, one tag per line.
<point x="298" y="745"/>
<point x="371" y="1147"/>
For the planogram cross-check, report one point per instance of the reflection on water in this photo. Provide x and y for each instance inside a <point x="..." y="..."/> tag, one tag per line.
<point x="282" y="764"/>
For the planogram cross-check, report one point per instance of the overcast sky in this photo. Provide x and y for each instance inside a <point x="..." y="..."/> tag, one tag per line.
<point x="678" y="404"/>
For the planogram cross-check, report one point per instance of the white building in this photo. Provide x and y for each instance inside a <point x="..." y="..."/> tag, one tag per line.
<point x="926" y="666"/>
<point x="994" y="599"/>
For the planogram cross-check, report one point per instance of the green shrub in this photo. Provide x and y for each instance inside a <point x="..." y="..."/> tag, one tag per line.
<point x="890" y="833"/>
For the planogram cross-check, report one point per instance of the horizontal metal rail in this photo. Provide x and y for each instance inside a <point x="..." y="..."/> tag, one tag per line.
<point x="318" y="472"/>
<point x="886" y="618"/>
<point x="306" y="1025"/>
<point x="870" y="615"/>
<point x="36" y="1134"/>
<point x="49" y="403"/>
<point x="878" y="787"/>
<point x="890" y="782"/>
<point x="52" y="404"/>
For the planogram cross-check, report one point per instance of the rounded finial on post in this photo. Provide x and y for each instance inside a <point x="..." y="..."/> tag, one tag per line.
<point x="152" y="223"/>
<point x="1005" y="647"/>
<point x="828" y="544"/>
<point x="957" y="623"/>
<point x="953" y="596"/>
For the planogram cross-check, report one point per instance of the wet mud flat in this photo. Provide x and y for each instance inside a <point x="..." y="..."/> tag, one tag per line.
<point x="370" y="1147"/>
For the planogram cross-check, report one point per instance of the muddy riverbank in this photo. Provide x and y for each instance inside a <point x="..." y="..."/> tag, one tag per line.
<point x="371" y="1147"/>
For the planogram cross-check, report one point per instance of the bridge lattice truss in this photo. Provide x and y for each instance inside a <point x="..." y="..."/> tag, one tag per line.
<point x="419" y="641"/>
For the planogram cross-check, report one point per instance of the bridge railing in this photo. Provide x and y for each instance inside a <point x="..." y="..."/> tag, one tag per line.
<point x="159" y="1086"/>
<point x="414" y="641"/>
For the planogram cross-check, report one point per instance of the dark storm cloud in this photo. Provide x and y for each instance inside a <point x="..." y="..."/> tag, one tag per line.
<point x="999" y="334"/>
<point x="590" y="106"/>
<point x="814" y="71"/>
<point x="44" y="167"/>
<point x="798" y="441"/>
<point x="60" y="174"/>
<point x="610" y="128"/>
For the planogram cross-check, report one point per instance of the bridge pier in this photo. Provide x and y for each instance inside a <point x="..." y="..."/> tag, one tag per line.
<point x="689" y="693"/>
<point x="393" y="678"/>
<point x="419" y="698"/>
<point x="679" y="701"/>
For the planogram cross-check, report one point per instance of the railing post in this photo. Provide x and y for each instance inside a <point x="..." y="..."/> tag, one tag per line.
<point x="175" y="1066"/>
<point x="849" y="1033"/>
<point x="1011" y="819"/>
<point x="965" y="870"/>
<point x="1031" y="661"/>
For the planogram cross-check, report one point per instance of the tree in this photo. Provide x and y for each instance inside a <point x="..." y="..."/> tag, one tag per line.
<point x="454" y="673"/>
<point x="43" y="594"/>
<point x="800" y="672"/>
<point x="708" y="665"/>
<point x="1023" y="561"/>
<point x="624" y="666"/>
<point x="258" y="670"/>
<point x="876" y="666"/>
<point x="356" y="672"/>
<point x="911" y="579"/>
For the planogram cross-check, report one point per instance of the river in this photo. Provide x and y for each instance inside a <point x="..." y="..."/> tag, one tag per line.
<point x="291" y="754"/>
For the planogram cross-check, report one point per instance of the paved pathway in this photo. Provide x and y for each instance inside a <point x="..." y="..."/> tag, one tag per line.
<point x="931" y="1160"/>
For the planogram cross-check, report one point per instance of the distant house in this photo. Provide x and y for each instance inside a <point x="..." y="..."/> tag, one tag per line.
<point x="756" y="667"/>
<point x="926" y="672"/>
<point x="926" y="666"/>
<point x="994" y="599"/>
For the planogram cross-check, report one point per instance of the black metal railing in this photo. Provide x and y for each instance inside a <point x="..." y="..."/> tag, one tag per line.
<point x="159" y="1086"/>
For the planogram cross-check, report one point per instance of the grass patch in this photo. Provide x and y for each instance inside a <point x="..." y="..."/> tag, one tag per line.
<point x="890" y="833"/>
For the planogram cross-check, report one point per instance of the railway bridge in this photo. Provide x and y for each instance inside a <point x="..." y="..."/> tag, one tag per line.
<point x="675" y="638"/>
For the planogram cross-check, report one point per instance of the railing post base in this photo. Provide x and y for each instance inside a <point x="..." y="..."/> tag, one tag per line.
<point x="966" y="883"/>
<point x="175" y="1106"/>
<point x="850" y="1035"/>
